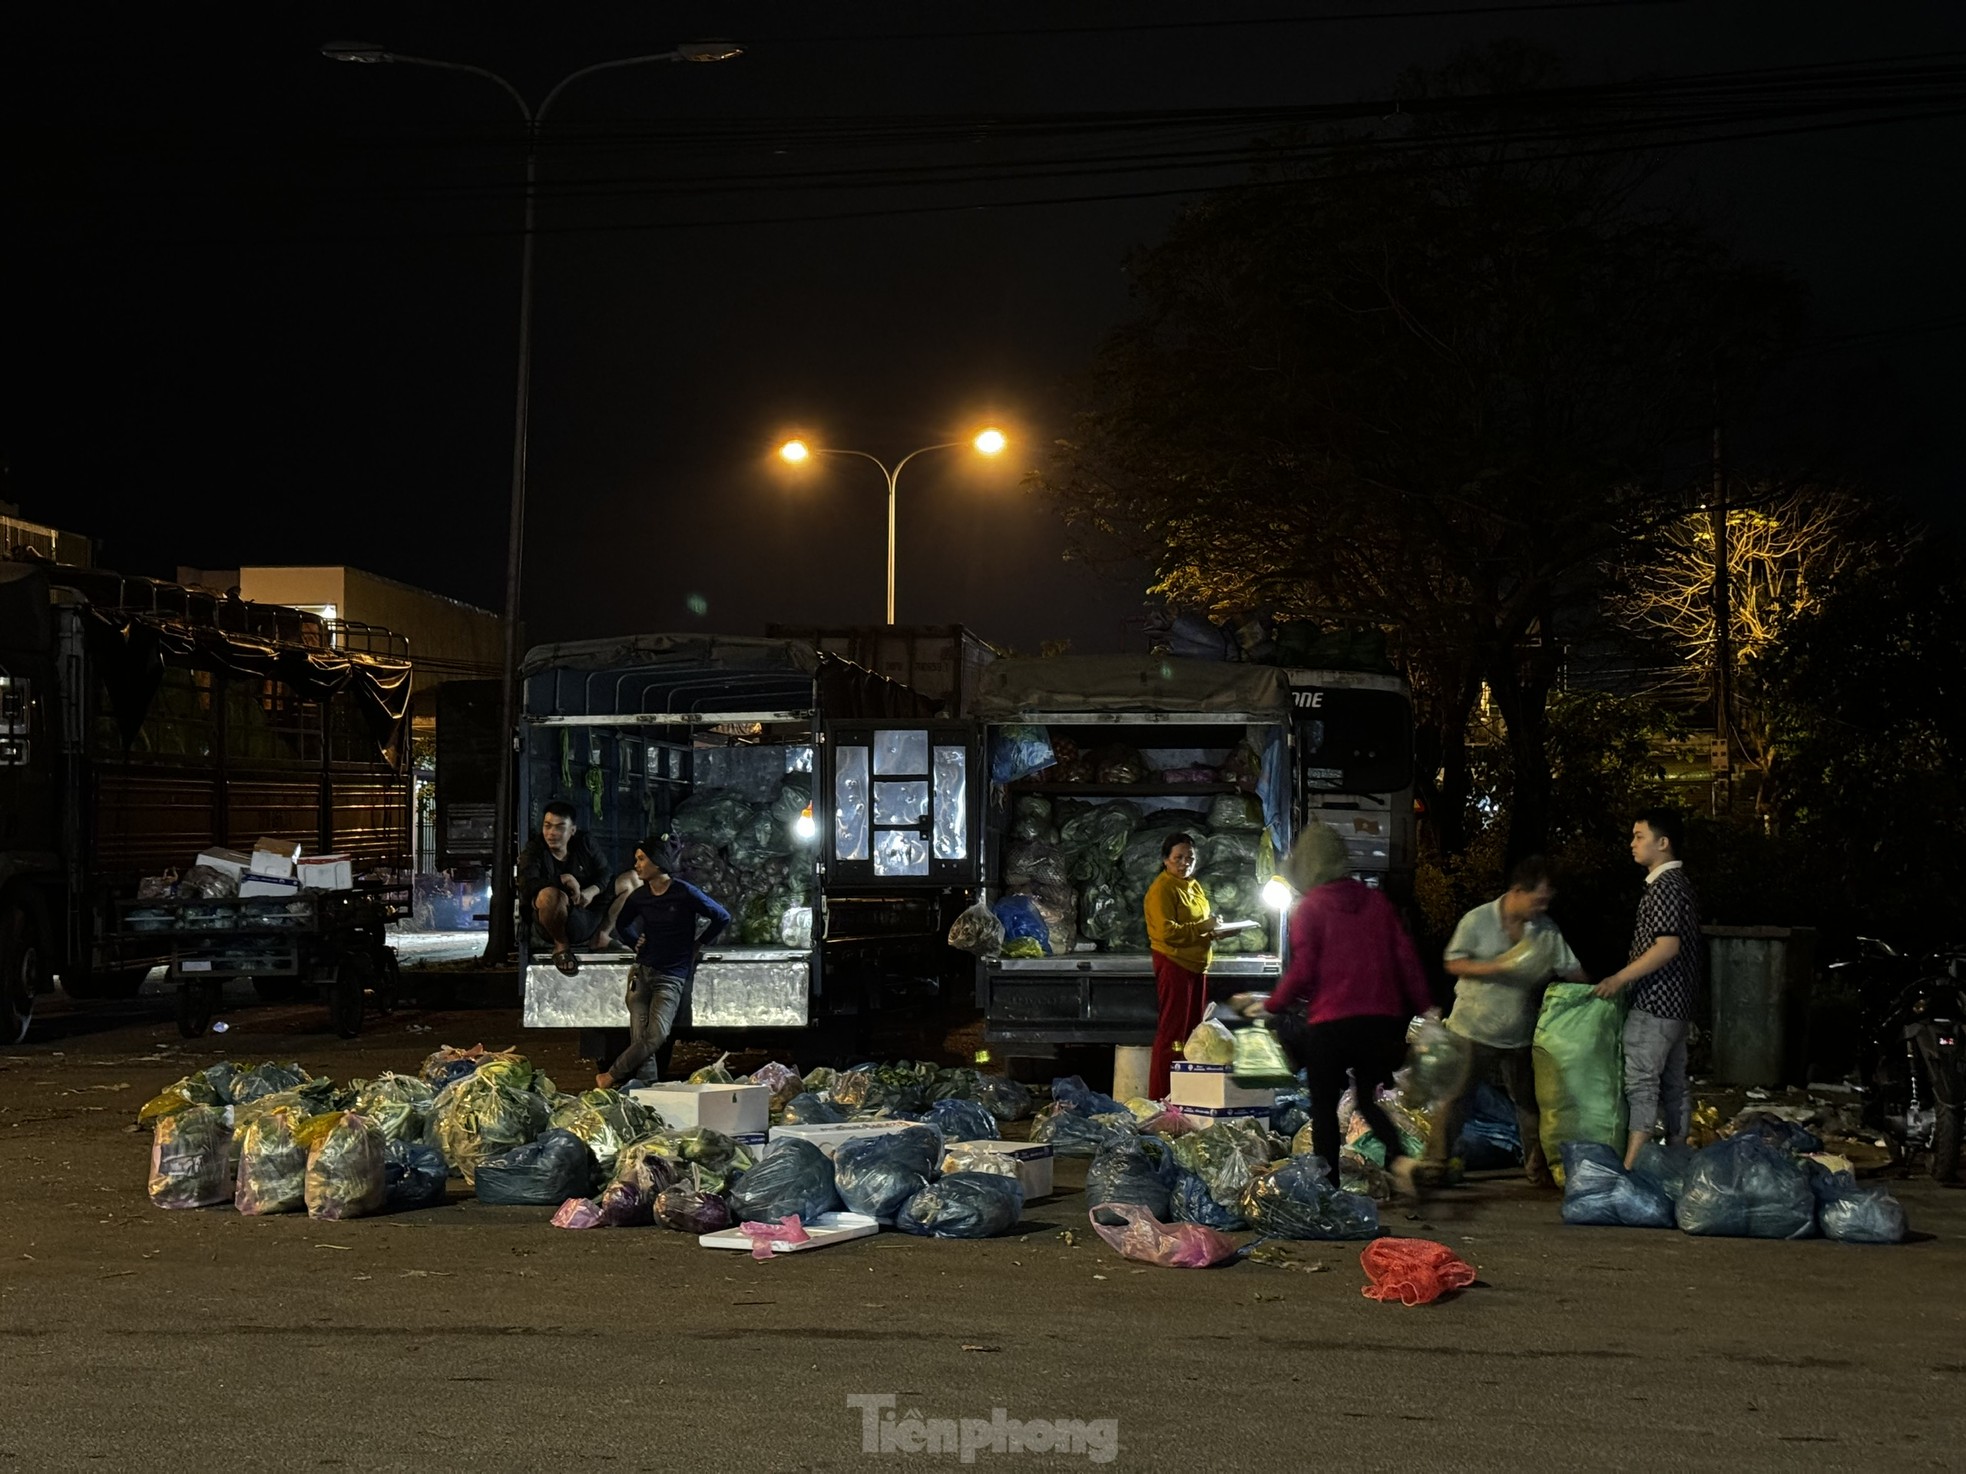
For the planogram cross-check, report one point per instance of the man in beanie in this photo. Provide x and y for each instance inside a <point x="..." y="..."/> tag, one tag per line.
<point x="1352" y="982"/>
<point x="660" y="921"/>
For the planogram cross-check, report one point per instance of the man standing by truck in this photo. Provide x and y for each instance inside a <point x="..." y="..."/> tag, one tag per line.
<point x="661" y="920"/>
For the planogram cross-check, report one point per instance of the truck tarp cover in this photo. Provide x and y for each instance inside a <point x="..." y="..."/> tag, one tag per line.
<point x="131" y="649"/>
<point x="681" y="674"/>
<point x="1009" y="689"/>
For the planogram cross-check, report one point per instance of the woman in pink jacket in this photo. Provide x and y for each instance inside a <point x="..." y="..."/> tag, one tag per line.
<point x="1352" y="984"/>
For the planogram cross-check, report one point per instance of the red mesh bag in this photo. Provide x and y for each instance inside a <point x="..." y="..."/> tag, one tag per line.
<point x="1413" y="1271"/>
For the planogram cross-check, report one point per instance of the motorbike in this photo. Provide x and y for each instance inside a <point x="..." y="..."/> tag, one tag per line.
<point x="1914" y="1066"/>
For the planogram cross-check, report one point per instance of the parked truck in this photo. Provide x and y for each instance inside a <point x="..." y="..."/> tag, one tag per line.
<point x="1095" y="760"/>
<point x="142" y="723"/>
<point x="829" y="809"/>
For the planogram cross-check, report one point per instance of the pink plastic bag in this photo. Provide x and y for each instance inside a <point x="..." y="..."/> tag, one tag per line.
<point x="1170" y="1245"/>
<point x="761" y="1235"/>
<point x="1413" y="1271"/>
<point x="578" y="1213"/>
<point x="1169" y="1122"/>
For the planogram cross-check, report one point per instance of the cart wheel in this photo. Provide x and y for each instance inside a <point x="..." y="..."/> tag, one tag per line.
<point x="196" y="1002"/>
<point x="347" y="998"/>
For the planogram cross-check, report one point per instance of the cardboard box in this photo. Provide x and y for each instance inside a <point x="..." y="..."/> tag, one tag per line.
<point x="226" y="862"/>
<point x="828" y="1137"/>
<point x="735" y="1110"/>
<point x="1205" y="1116"/>
<point x="275" y="857"/>
<point x="270" y="885"/>
<point x="1212" y="1087"/>
<point x="1033" y="1160"/>
<point x="326" y="872"/>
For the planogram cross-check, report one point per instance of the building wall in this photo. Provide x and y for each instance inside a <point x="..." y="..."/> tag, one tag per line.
<point x="449" y="640"/>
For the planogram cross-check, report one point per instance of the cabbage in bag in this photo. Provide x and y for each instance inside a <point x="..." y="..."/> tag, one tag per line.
<point x="191" y="1159"/>
<point x="272" y="1166"/>
<point x="347" y="1174"/>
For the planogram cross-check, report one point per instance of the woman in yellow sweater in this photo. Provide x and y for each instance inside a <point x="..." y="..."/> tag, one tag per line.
<point x="1180" y="928"/>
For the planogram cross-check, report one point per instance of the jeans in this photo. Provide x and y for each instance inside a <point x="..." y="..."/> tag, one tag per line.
<point x="654" y="1001"/>
<point x="1655" y="1075"/>
<point x="1361" y="1053"/>
<point x="1517" y="1073"/>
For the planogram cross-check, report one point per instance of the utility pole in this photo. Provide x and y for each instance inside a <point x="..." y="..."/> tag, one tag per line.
<point x="1723" y="626"/>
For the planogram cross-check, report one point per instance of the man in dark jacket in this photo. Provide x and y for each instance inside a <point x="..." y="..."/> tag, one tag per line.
<point x="661" y="921"/>
<point x="567" y="886"/>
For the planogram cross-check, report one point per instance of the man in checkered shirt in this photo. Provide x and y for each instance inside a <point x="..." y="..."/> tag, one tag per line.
<point x="1664" y="978"/>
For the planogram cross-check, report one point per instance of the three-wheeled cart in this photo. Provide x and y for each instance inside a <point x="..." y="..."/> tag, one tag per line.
<point x="329" y="940"/>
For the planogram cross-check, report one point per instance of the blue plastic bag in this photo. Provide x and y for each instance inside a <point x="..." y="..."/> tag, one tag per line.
<point x="792" y="1178"/>
<point x="1071" y="1092"/>
<point x="539" y="1174"/>
<point x="807" y="1109"/>
<point x="414" y="1175"/>
<point x="1022" y="919"/>
<point x="1782" y="1134"/>
<point x="1744" y="1188"/>
<point x="1489" y="1138"/>
<point x="1856" y="1215"/>
<point x="1005" y="1098"/>
<point x="1297" y="1200"/>
<point x="1598" y="1192"/>
<point x="1138" y="1171"/>
<point x="1190" y="1201"/>
<point x="1664" y="1167"/>
<point x="963" y="1120"/>
<point x="877" y="1174"/>
<point x="1019" y="751"/>
<point x="963" y="1205"/>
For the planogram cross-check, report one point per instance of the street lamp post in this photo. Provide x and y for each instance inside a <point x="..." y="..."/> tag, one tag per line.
<point x="500" y="938"/>
<point x="987" y="442"/>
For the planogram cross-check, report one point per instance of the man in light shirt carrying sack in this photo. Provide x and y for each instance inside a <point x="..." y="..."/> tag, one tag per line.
<point x="1502" y="955"/>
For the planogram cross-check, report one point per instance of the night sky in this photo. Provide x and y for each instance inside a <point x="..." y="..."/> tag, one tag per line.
<point x="264" y="304"/>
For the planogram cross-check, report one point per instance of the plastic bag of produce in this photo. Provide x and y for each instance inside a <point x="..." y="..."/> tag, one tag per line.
<point x="479" y="1116"/>
<point x="265" y="1079"/>
<point x="346" y="1170"/>
<point x="1071" y="1092"/>
<point x="642" y="1171"/>
<point x="1073" y="1135"/>
<point x="792" y="1178"/>
<point x="1136" y="1232"/>
<point x="272" y="1166"/>
<point x="1212" y="1043"/>
<point x="1103" y="831"/>
<point x="449" y="1063"/>
<point x="1579" y="1059"/>
<point x="963" y="1120"/>
<point x="1225" y="1157"/>
<point x="179" y="1095"/>
<point x="1851" y="1214"/>
<point x="875" y="1175"/>
<point x="606" y="1120"/>
<point x="717" y="1158"/>
<point x="1290" y="1113"/>
<point x="1003" y="1097"/>
<point x="1028" y="862"/>
<point x="1235" y="811"/>
<point x="414" y="1175"/>
<point x="1190" y="1201"/>
<point x="954" y="1082"/>
<point x="807" y="1109"/>
<point x="692" y="1207"/>
<point x="538" y="1174"/>
<point x="1259" y="1060"/>
<point x="1664" y="1167"/>
<point x="715" y="1073"/>
<point x="782" y="1081"/>
<point x="820" y="1079"/>
<point x="1782" y="1134"/>
<point x="1296" y="1199"/>
<point x="400" y="1120"/>
<point x="1188" y="777"/>
<point x="963" y="1205"/>
<point x="1023" y="922"/>
<point x="579" y="1213"/>
<point x="898" y="1089"/>
<point x="1118" y="763"/>
<point x="191" y="1159"/>
<point x="388" y="1088"/>
<point x="1597" y="1191"/>
<point x="1743" y="1188"/>
<point x="1019" y="751"/>
<point x="978" y="932"/>
<point x="963" y="1156"/>
<point x="1139" y="1171"/>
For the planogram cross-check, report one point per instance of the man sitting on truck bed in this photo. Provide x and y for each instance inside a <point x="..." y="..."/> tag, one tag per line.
<point x="573" y="893"/>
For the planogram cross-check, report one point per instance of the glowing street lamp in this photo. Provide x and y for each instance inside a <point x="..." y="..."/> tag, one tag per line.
<point x="990" y="441"/>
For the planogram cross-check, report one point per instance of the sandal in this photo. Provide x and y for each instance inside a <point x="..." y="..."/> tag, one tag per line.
<point x="564" y="959"/>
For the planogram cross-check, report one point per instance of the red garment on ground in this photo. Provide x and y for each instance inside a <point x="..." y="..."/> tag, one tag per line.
<point x="1413" y="1271"/>
<point x="1183" y="998"/>
<point x="1350" y="958"/>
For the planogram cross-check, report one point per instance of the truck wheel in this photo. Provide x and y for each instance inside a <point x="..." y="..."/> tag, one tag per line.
<point x="22" y="969"/>
<point x="196" y="1003"/>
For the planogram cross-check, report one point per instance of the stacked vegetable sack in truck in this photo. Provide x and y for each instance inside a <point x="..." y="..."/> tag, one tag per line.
<point x="829" y="810"/>
<point x="141" y="724"/>
<point x="1094" y="761"/>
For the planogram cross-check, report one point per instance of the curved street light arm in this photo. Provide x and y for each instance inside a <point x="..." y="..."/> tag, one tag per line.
<point x="601" y="66"/>
<point x="525" y="109"/>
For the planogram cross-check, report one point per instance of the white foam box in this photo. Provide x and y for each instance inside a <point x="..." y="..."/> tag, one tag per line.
<point x="1033" y="1160"/>
<point x="735" y="1110"/>
<point x="1212" y="1087"/>
<point x="270" y="885"/>
<point x="326" y="872"/>
<point x="1205" y="1116"/>
<point x="827" y="1228"/>
<point x="827" y="1137"/>
<point x="275" y="857"/>
<point x="226" y="862"/>
<point x="752" y="1141"/>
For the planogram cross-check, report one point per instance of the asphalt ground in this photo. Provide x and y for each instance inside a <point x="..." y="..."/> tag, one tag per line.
<point x="479" y="1337"/>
